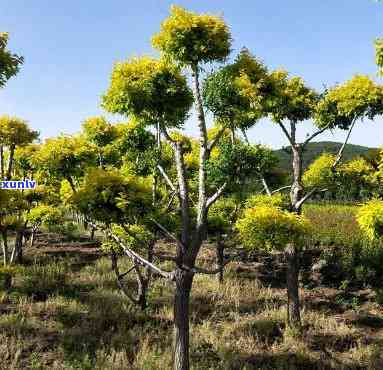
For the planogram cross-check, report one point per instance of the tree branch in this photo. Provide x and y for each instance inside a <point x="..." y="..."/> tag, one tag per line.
<point x="282" y="126"/>
<point x="341" y="150"/>
<point x="169" y="234"/>
<point x="308" y="196"/>
<point x="119" y="277"/>
<point x="216" y="195"/>
<point x="315" y="134"/>
<point x="166" y="177"/>
<point x="200" y="270"/>
<point x="280" y="189"/>
<point x="215" y="140"/>
<point x="265" y="186"/>
<point x="133" y="255"/>
<point x="170" y="201"/>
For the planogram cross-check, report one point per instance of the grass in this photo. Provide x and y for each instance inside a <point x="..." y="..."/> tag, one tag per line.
<point x="65" y="312"/>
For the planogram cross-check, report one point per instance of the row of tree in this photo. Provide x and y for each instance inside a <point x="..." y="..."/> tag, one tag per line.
<point x="141" y="180"/>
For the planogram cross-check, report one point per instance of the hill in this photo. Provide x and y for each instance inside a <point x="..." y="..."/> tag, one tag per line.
<point x="314" y="149"/>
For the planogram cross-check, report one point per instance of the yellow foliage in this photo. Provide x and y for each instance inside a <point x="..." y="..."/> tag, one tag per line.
<point x="370" y="218"/>
<point x="190" y="38"/>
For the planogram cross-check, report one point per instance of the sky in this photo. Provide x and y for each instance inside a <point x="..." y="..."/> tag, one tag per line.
<point x="70" y="47"/>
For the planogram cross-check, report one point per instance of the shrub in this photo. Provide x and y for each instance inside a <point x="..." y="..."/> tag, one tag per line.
<point x="370" y="219"/>
<point x="269" y="227"/>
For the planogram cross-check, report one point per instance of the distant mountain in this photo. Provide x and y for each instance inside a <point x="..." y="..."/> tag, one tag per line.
<point x="314" y="149"/>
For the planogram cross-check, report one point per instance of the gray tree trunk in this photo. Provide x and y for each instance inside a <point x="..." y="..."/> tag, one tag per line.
<point x="292" y="258"/>
<point x="293" y="304"/>
<point x="181" y="320"/>
<point x="10" y="161"/>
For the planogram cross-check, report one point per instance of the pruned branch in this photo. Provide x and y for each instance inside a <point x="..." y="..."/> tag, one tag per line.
<point x="216" y="195"/>
<point x="168" y="137"/>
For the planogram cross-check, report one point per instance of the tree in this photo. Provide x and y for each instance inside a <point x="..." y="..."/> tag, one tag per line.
<point x="290" y="103"/>
<point x="45" y="215"/>
<point x="122" y="205"/>
<point x="9" y="63"/>
<point x="101" y="134"/>
<point x="156" y="92"/>
<point x="65" y="157"/>
<point x="267" y="225"/>
<point x="14" y="132"/>
<point x="190" y="40"/>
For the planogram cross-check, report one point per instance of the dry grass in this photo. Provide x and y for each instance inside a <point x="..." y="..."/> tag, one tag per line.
<point x="69" y="314"/>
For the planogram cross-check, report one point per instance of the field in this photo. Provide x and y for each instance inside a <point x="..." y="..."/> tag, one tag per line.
<point x="66" y="312"/>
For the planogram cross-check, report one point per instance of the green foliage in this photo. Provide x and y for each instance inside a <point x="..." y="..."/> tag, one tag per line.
<point x="314" y="149"/>
<point x="153" y="91"/>
<point x="291" y="99"/>
<point x="24" y="159"/>
<point x="269" y="227"/>
<point x="109" y="197"/>
<point x="357" y="98"/>
<point x="190" y="38"/>
<point x="136" y="146"/>
<point x="221" y="215"/>
<point x="134" y="236"/>
<point x="223" y="96"/>
<point x="9" y="63"/>
<point x="44" y="215"/>
<point x="276" y="200"/>
<point x="320" y="173"/>
<point x="236" y="163"/>
<point x="15" y="131"/>
<point x="40" y="281"/>
<point x="99" y="131"/>
<point x="64" y="157"/>
<point x="347" y="253"/>
<point x="370" y="219"/>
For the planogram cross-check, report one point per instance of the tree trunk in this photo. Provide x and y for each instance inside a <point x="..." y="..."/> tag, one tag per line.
<point x="2" y="162"/>
<point x="292" y="274"/>
<point x="142" y="287"/>
<point x="10" y="161"/>
<point x="220" y="248"/>
<point x="32" y="241"/>
<point x="19" y="247"/>
<point x="5" y="247"/>
<point x="292" y="258"/>
<point x="183" y="286"/>
<point x="297" y="189"/>
<point x="92" y="233"/>
<point x="7" y="283"/>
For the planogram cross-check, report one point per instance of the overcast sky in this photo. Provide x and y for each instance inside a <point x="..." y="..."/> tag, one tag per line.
<point x="70" y="46"/>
